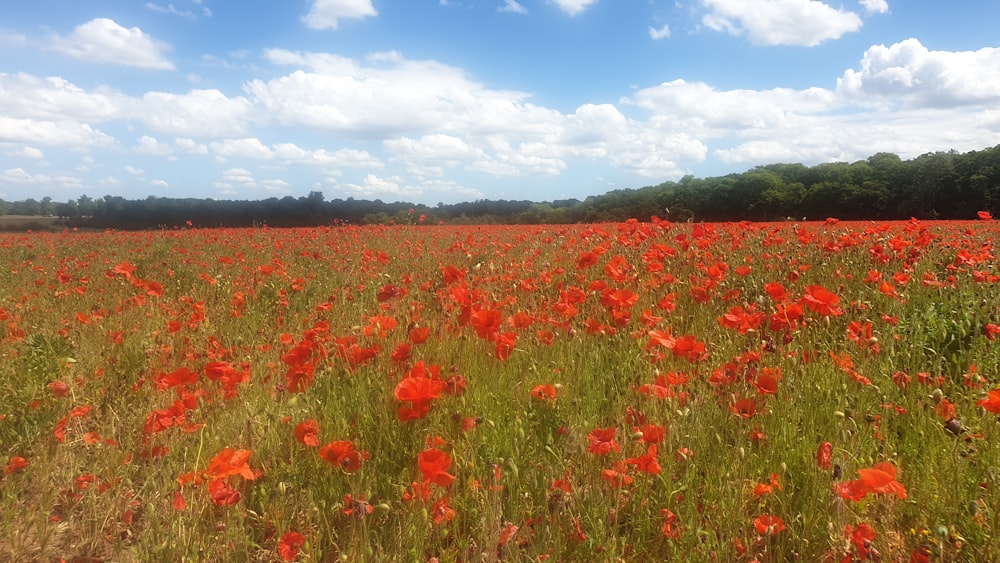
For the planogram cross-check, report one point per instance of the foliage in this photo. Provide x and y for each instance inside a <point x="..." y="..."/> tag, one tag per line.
<point x="630" y="391"/>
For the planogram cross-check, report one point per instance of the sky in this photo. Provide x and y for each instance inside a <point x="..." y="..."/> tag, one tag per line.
<point x="443" y="101"/>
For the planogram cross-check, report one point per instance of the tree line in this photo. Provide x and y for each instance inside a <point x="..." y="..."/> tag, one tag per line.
<point x="939" y="185"/>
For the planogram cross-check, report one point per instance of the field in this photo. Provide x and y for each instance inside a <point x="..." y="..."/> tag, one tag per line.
<point x="820" y="391"/>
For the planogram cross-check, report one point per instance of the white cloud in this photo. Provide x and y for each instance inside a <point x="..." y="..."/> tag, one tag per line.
<point x="780" y="22"/>
<point x="102" y="40"/>
<point x="52" y="133"/>
<point x="170" y="9"/>
<point x="204" y="113"/>
<point x="151" y="146"/>
<point x="190" y="146"/>
<point x="875" y="6"/>
<point x="159" y="183"/>
<point x="908" y="74"/>
<point x="137" y="172"/>
<point x="513" y="7"/>
<point x="54" y="98"/>
<point x="242" y="148"/>
<point x="661" y="32"/>
<point x="326" y="14"/>
<point x="574" y="7"/>
<point x="29" y="152"/>
<point x="374" y="187"/>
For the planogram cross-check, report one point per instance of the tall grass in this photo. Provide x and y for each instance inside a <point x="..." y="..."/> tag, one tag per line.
<point x="106" y="320"/>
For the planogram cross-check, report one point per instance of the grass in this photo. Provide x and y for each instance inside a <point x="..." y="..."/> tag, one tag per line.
<point x="97" y="326"/>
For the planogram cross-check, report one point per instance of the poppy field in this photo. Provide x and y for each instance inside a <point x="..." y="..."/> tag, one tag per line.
<point x="816" y="391"/>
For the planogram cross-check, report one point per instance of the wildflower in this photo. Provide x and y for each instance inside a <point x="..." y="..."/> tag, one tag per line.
<point x="306" y="433"/>
<point x="992" y="402"/>
<point x="878" y="479"/>
<point x="289" y="545"/>
<point x="433" y="464"/>
<point x="767" y="525"/>
<point x="341" y="453"/>
<point x="544" y="392"/>
<point x="231" y="462"/>
<point x="602" y="441"/>
<point x="823" y="456"/>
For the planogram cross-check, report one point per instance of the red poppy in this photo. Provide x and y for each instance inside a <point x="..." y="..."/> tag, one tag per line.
<point x="992" y="401"/>
<point x="433" y="464"/>
<point x="544" y="392"/>
<point x="768" y="525"/>
<point x="823" y="456"/>
<point x="289" y="545"/>
<point x="231" y="462"/>
<point x="222" y="494"/>
<point x="341" y="453"/>
<point x="878" y="479"/>
<point x="16" y="464"/>
<point x="822" y="301"/>
<point x="984" y="215"/>
<point x="307" y="433"/>
<point x="602" y="441"/>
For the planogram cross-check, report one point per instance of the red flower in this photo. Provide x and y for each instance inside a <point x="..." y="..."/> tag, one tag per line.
<point x="822" y="301"/>
<point x="879" y="479"/>
<point x="991" y="402"/>
<point x="289" y="545"/>
<point x="984" y="215"/>
<point x="341" y="453"/>
<point x="544" y="392"/>
<point x="222" y="494"/>
<point x="16" y="464"/>
<point x="768" y="525"/>
<point x="823" y="456"/>
<point x="230" y="462"/>
<point x="602" y="441"/>
<point x="433" y="464"/>
<point x="307" y="433"/>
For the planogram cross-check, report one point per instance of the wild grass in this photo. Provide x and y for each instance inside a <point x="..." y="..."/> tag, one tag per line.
<point x="97" y="330"/>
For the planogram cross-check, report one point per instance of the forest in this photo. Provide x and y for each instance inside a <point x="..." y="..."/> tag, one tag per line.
<point x="938" y="185"/>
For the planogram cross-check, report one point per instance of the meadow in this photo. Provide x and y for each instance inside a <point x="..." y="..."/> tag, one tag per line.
<point x="822" y="391"/>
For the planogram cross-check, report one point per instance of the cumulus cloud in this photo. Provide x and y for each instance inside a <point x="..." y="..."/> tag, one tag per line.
<point x="102" y="40"/>
<point x="374" y="187"/>
<point x="909" y="74"/>
<point x="153" y="147"/>
<point x="780" y="22"/>
<point x="52" y="133"/>
<point x="574" y="7"/>
<point x="326" y="14"/>
<point x="207" y="113"/>
<point x="657" y="33"/>
<point x="54" y="98"/>
<point x="875" y="6"/>
<point x="513" y="7"/>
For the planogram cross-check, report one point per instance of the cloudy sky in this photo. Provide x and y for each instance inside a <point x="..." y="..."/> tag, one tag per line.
<point x="454" y="100"/>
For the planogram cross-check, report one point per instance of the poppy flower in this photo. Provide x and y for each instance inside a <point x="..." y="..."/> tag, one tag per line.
<point x="878" y="479"/>
<point x="823" y="456"/>
<point x="231" y="462"/>
<point x="307" y="433"/>
<point x="602" y="441"/>
<point x="992" y="402"/>
<point x="341" y="453"/>
<point x="433" y="464"/>
<point x="289" y="545"/>
<point x="544" y="392"/>
<point x="222" y="494"/>
<point x="822" y="301"/>
<point x="984" y="215"/>
<point x="16" y="464"/>
<point x="768" y="525"/>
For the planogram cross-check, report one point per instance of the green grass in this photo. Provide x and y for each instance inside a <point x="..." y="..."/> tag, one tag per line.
<point x="241" y="296"/>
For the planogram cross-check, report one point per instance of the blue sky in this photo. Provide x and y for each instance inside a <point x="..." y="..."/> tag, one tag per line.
<point x="455" y="100"/>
